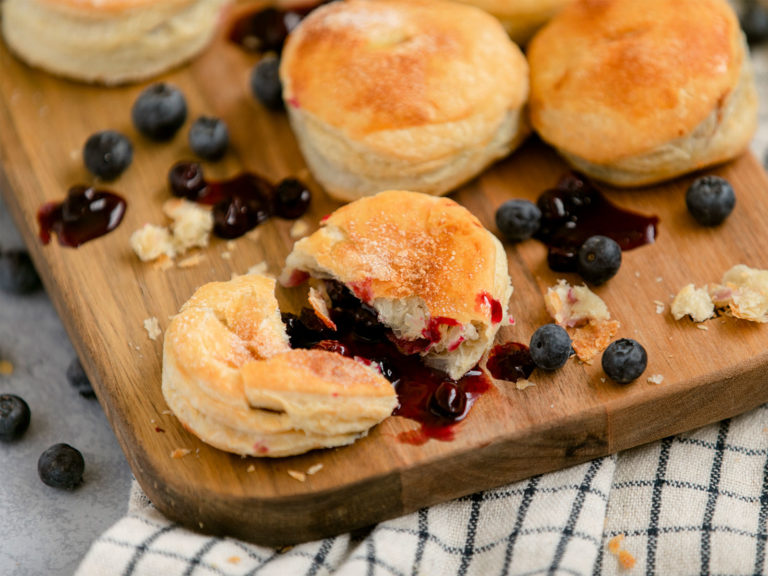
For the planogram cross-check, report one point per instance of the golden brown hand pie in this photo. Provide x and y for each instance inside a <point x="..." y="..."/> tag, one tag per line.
<point x="426" y="265"/>
<point x="633" y="93"/>
<point x="108" y="41"/>
<point x="402" y="94"/>
<point x="231" y="378"/>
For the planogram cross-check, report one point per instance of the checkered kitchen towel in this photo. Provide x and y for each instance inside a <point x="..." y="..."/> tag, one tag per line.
<point x="691" y="504"/>
<point x="688" y="505"/>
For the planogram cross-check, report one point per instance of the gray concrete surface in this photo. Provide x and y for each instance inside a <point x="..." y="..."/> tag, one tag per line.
<point x="44" y="531"/>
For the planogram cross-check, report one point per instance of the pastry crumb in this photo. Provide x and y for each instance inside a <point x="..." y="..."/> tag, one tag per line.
<point x="260" y="268"/>
<point x="314" y="469"/>
<point x="626" y="560"/>
<point x="660" y="306"/>
<point x="296" y="475"/>
<point x="659" y="279"/>
<point x="231" y="245"/>
<point x="251" y="468"/>
<point x="702" y="327"/>
<point x="226" y="255"/>
<point x="167" y="413"/>
<point x="693" y="302"/>
<point x="656" y="379"/>
<point x="254" y="234"/>
<point x="6" y="368"/>
<point x="299" y="228"/>
<point x="190" y="227"/>
<point x="152" y="326"/>
<point x="523" y="384"/>
<point x="180" y="453"/>
<point x="191" y="261"/>
<point x="614" y="544"/>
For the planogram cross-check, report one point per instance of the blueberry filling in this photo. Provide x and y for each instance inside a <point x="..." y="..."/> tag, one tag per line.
<point x="425" y="394"/>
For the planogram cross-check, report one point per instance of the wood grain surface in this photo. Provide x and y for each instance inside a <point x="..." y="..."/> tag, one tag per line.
<point x="103" y="294"/>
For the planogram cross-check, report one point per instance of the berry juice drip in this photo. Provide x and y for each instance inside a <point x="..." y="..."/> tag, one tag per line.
<point x="240" y="203"/>
<point x="425" y="395"/>
<point x="510" y="361"/>
<point x="575" y="210"/>
<point x="86" y="214"/>
<point x="266" y="29"/>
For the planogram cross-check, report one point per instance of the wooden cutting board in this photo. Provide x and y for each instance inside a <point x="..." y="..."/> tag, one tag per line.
<point x="103" y="294"/>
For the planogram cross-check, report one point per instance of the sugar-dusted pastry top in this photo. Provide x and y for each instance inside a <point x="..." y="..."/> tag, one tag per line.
<point x="616" y="78"/>
<point x="373" y="67"/>
<point x="397" y="245"/>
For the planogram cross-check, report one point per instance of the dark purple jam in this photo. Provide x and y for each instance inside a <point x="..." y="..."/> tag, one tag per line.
<point x="510" y="361"/>
<point x="86" y="214"/>
<point x="574" y="210"/>
<point x="425" y="395"/>
<point x="266" y="29"/>
<point x="240" y="203"/>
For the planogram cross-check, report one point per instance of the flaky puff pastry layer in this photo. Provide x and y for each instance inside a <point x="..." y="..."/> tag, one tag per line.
<point x="108" y="41"/>
<point x="231" y="378"/>
<point x="402" y="94"/>
<point x="425" y="264"/>
<point x="633" y="93"/>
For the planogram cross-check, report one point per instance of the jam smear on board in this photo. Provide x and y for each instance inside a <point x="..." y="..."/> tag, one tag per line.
<point x="265" y="29"/>
<point x="242" y="202"/>
<point x="86" y="214"/>
<point x="426" y="395"/>
<point x="574" y="210"/>
<point x="510" y="361"/>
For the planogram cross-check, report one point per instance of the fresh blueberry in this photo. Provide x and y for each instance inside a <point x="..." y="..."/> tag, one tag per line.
<point x="265" y="82"/>
<point x="291" y="198"/>
<point x="754" y="22"/>
<point x="448" y="400"/>
<point x="186" y="180"/>
<point x="550" y="347"/>
<point x="624" y="360"/>
<point x="61" y="466"/>
<point x="599" y="259"/>
<point x="518" y="220"/>
<point x="77" y="377"/>
<point x="710" y="199"/>
<point x="14" y="417"/>
<point x="107" y="154"/>
<point x="209" y="137"/>
<point x="159" y="111"/>
<point x="17" y="273"/>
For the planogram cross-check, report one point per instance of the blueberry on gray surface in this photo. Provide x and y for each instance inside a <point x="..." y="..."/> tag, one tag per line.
<point x="710" y="200"/>
<point x="61" y="466"/>
<point x="518" y="219"/>
<point x="550" y="347"/>
<point x="159" y="111"/>
<point x="107" y="154"/>
<point x="292" y="198"/>
<point x="754" y="22"/>
<point x="78" y="379"/>
<point x="599" y="259"/>
<point x="17" y="273"/>
<point x="265" y="82"/>
<point x="624" y="360"/>
<point x="14" y="417"/>
<point x="209" y="137"/>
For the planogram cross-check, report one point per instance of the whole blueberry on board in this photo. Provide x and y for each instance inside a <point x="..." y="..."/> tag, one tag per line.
<point x="292" y="198"/>
<point x="209" y="137"/>
<point x="265" y="82"/>
<point x="14" y="417"/>
<point x="754" y="22"/>
<point x="550" y="347"/>
<point x="599" y="259"/>
<point x="710" y="200"/>
<point x="624" y="360"/>
<point x="159" y="111"/>
<point x="518" y="219"/>
<point x="17" y="273"/>
<point x="107" y="154"/>
<point x="61" y="466"/>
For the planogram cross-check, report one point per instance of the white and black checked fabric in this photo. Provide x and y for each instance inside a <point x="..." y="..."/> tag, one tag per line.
<point x="694" y="504"/>
<point x="688" y="505"/>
